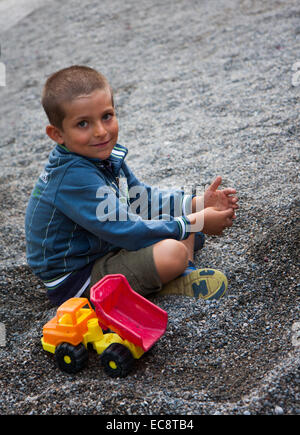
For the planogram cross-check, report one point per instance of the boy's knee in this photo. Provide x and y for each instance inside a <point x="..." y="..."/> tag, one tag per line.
<point x="176" y="251"/>
<point x="171" y="254"/>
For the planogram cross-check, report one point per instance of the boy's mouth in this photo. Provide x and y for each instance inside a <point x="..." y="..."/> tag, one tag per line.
<point x="100" y="145"/>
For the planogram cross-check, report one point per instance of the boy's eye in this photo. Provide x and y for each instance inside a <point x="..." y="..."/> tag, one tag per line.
<point x="107" y="116"/>
<point x="82" y="124"/>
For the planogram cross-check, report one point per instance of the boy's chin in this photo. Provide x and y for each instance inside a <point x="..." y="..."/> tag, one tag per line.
<point x="103" y="155"/>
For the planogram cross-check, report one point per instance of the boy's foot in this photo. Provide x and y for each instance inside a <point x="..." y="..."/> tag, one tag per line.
<point x="199" y="283"/>
<point x="199" y="241"/>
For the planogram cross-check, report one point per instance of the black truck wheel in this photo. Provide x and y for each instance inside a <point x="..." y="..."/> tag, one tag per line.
<point x="71" y="359"/>
<point x="117" y="360"/>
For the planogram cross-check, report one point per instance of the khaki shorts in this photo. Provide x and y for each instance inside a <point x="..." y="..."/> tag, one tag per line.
<point x="137" y="266"/>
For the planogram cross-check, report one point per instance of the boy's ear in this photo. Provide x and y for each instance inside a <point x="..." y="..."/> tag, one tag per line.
<point x="55" y="134"/>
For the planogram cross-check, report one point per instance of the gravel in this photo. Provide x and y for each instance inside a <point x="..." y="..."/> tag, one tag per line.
<point x="202" y="88"/>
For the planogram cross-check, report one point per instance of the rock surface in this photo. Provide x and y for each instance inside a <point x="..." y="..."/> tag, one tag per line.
<point x="203" y="88"/>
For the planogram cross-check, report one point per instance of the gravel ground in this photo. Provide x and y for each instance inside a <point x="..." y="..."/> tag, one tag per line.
<point x="202" y="88"/>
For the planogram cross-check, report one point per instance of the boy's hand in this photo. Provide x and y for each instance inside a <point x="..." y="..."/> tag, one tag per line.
<point x="211" y="221"/>
<point x="215" y="221"/>
<point x="220" y="199"/>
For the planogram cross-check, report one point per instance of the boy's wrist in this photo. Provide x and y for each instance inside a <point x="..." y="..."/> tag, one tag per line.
<point x="196" y="221"/>
<point x="198" y="204"/>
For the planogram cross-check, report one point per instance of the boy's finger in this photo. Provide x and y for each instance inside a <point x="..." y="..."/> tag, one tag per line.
<point x="229" y="212"/>
<point x="234" y="203"/>
<point x="229" y="222"/>
<point x="216" y="183"/>
<point x="229" y="191"/>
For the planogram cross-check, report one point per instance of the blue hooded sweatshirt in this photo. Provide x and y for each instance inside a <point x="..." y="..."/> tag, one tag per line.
<point x="82" y="208"/>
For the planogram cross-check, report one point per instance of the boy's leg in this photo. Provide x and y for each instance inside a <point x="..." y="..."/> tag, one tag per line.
<point x="199" y="241"/>
<point x="146" y="269"/>
<point x="189" y="281"/>
<point x="171" y="258"/>
<point x="137" y="266"/>
<point x="189" y="243"/>
<point x="159" y="269"/>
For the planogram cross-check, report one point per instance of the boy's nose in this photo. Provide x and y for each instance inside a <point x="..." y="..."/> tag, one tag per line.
<point x="99" y="129"/>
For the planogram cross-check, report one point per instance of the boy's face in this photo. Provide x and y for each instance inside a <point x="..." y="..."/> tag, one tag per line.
<point x="90" y="127"/>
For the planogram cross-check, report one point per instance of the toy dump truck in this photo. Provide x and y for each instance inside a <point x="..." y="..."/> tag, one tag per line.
<point x="123" y="326"/>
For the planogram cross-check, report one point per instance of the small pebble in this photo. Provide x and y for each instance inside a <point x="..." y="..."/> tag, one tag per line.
<point x="278" y="410"/>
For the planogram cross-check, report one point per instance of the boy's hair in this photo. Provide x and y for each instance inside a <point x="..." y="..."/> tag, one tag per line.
<point x="67" y="84"/>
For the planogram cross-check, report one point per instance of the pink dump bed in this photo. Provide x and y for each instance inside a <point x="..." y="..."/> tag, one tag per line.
<point x="127" y="313"/>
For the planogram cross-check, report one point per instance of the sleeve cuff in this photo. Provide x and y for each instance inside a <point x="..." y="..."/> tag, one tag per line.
<point x="187" y="204"/>
<point x="183" y="224"/>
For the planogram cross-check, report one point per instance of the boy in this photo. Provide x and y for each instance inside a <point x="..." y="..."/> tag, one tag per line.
<point x="82" y="220"/>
